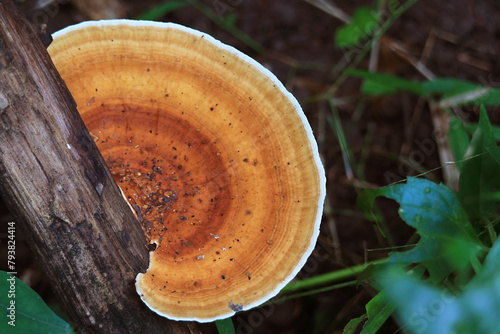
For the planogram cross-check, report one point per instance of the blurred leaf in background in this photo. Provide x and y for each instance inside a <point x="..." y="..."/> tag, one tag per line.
<point x="479" y="176"/>
<point x="423" y="308"/>
<point x="451" y="92"/>
<point x="379" y="84"/>
<point x="31" y="314"/>
<point x="360" y="28"/>
<point x="162" y="9"/>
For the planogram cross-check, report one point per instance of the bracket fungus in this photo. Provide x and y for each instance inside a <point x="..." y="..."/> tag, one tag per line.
<point x="214" y="155"/>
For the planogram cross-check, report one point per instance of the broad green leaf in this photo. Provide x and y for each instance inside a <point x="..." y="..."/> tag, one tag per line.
<point x="363" y="24"/>
<point x="424" y="308"/>
<point x="378" y="84"/>
<point x="458" y="137"/>
<point x="225" y="326"/>
<point x="479" y="175"/>
<point x="435" y="212"/>
<point x="25" y="309"/>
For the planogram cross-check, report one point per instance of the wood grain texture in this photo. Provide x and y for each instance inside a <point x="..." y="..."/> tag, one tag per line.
<point x="57" y="185"/>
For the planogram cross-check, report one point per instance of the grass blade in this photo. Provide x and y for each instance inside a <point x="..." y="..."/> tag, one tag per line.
<point x="225" y="326"/>
<point x="155" y="13"/>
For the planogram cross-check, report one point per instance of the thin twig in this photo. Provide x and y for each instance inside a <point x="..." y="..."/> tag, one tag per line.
<point x="372" y="65"/>
<point x="401" y="50"/>
<point x="359" y="55"/>
<point x="330" y="8"/>
<point x="441" y="122"/>
<point x="440" y="118"/>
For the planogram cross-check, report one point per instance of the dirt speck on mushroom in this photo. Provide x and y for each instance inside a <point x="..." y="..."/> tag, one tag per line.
<point x="235" y="307"/>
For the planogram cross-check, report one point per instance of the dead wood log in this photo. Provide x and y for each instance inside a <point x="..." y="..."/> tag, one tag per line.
<point x="58" y="187"/>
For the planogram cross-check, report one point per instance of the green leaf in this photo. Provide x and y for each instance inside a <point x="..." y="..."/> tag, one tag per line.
<point x="353" y="324"/>
<point x="453" y="92"/>
<point x="26" y="310"/>
<point x="460" y="92"/>
<point x="490" y="98"/>
<point x="230" y="21"/>
<point x="472" y="127"/>
<point x="480" y="95"/>
<point x="480" y="301"/>
<point x="421" y="308"/>
<point x="494" y="151"/>
<point x="378" y="309"/>
<point x="158" y="11"/>
<point x="479" y="175"/>
<point x="447" y="86"/>
<point x="458" y="137"/>
<point x="424" y="308"/>
<point x="435" y="212"/>
<point x="225" y="326"/>
<point x="363" y="24"/>
<point x="377" y="84"/>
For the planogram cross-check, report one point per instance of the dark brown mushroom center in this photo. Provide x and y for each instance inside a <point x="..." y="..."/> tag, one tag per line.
<point x="175" y="176"/>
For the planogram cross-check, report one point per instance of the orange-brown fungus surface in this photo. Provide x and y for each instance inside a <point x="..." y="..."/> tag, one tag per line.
<point x="177" y="181"/>
<point x="211" y="153"/>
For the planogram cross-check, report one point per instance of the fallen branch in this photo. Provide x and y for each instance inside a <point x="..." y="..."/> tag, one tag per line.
<point x="56" y="184"/>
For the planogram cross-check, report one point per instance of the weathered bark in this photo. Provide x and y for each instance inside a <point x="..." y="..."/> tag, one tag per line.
<point x="58" y="187"/>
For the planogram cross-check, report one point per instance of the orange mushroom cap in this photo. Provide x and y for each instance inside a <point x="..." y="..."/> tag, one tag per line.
<point x="215" y="156"/>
